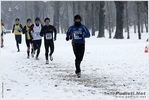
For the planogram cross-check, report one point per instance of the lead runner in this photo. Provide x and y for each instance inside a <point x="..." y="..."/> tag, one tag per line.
<point x="78" y="33"/>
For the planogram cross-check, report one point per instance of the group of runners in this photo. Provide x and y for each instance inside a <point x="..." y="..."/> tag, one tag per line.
<point x="33" y="37"/>
<point x="34" y="33"/>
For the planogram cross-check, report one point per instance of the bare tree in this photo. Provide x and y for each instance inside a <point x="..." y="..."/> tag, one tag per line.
<point x="135" y="29"/>
<point x="109" y="19"/>
<point x="86" y="13"/>
<point x="138" y="14"/>
<point x="93" y="15"/>
<point x="127" y="20"/>
<point x="56" y="15"/>
<point x="119" y="19"/>
<point x="61" y="14"/>
<point x="141" y="26"/>
<point x="101" y="19"/>
<point x="36" y="9"/>
<point x="144" y="15"/>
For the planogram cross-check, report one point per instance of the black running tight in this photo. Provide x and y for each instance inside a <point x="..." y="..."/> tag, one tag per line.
<point x="37" y="45"/>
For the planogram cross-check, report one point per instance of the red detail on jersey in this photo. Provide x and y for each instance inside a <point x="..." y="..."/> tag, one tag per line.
<point x="72" y="43"/>
<point x="70" y="34"/>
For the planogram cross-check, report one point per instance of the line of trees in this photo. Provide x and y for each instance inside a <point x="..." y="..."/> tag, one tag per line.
<point x="97" y="15"/>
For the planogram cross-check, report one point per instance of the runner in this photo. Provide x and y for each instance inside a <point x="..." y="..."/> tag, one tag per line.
<point x="47" y="31"/>
<point x="28" y="37"/>
<point x="3" y="31"/>
<point x="78" y="33"/>
<point x="37" y="39"/>
<point x="17" y="30"/>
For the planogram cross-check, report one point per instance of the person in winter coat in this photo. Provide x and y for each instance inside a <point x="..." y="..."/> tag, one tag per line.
<point x="17" y="30"/>
<point x="28" y="37"/>
<point x="78" y="33"/>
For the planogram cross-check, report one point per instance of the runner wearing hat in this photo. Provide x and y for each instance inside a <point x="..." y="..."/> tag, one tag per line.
<point x="78" y="33"/>
<point x="17" y="30"/>
<point x="28" y="37"/>
<point x="47" y="31"/>
<point x="37" y="39"/>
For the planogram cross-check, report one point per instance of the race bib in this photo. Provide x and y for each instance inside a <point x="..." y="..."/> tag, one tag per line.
<point x="48" y="36"/>
<point x="37" y="33"/>
<point x="37" y="29"/>
<point x="17" y="29"/>
<point x="76" y="34"/>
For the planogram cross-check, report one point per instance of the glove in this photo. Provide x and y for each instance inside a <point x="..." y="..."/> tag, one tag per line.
<point x="80" y="35"/>
<point x="67" y="38"/>
<point x="32" y="31"/>
<point x="54" y="38"/>
<point x="70" y="37"/>
<point x="41" y="35"/>
<point x="19" y="30"/>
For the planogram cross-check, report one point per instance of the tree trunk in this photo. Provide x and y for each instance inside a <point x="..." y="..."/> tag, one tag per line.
<point x="141" y="27"/>
<point x="138" y="14"/>
<point x="146" y="26"/>
<point x="112" y="26"/>
<point x="119" y="19"/>
<point x="78" y="7"/>
<point x="93" y="25"/>
<point x="56" y="16"/>
<point x="26" y="10"/>
<point x="101" y="19"/>
<point x="109" y="20"/>
<point x="127" y="21"/>
<point x="135" y="29"/>
<point x="86" y="14"/>
<point x="36" y="8"/>
<point x="110" y="30"/>
<point x="73" y="8"/>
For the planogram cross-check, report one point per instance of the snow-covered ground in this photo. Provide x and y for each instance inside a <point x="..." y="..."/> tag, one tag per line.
<point x="109" y="66"/>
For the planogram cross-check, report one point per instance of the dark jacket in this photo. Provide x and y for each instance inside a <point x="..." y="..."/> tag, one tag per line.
<point x="78" y="33"/>
<point x="47" y="32"/>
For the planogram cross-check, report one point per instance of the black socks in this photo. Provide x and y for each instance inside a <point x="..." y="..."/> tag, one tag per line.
<point x="28" y="53"/>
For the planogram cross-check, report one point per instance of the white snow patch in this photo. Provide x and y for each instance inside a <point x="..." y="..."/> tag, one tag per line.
<point x="109" y="65"/>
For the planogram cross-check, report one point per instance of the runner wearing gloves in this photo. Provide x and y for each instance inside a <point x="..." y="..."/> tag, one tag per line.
<point x="37" y="39"/>
<point x="17" y="30"/>
<point x="47" y="31"/>
<point x="78" y="33"/>
<point x="28" y="37"/>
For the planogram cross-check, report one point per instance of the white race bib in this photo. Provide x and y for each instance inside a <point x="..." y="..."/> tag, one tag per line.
<point x="76" y="34"/>
<point x="37" y="33"/>
<point x="17" y="29"/>
<point x="48" y="36"/>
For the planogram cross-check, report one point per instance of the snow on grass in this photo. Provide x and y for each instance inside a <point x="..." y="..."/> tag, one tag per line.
<point x="109" y="65"/>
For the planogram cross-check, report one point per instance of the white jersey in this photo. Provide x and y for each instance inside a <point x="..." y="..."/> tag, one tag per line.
<point x="36" y="33"/>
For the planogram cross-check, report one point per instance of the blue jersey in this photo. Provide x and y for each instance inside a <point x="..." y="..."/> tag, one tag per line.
<point x="75" y="32"/>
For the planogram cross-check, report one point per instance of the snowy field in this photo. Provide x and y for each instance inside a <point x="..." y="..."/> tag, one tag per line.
<point x="109" y="66"/>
